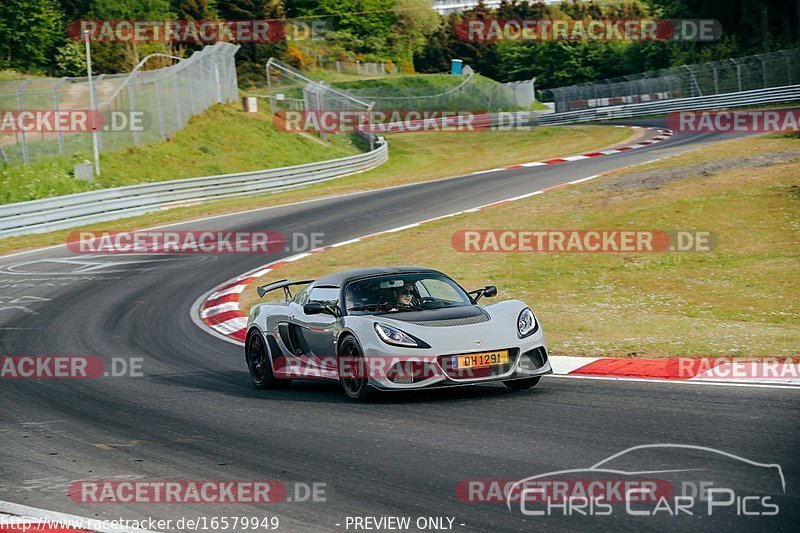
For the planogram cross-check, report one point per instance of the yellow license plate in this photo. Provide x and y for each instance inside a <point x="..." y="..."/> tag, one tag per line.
<point x="477" y="360"/>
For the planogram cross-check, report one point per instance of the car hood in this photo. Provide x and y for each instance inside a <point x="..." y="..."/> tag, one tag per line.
<point x="449" y="316"/>
<point x="472" y="328"/>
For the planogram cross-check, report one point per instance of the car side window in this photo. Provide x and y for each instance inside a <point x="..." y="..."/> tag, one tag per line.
<point x="328" y="296"/>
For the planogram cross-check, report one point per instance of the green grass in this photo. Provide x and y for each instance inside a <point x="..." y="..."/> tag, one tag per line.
<point x="741" y="299"/>
<point x="330" y="77"/>
<point x="220" y="141"/>
<point x="425" y="81"/>
<point x="390" y="85"/>
<point x="13" y="75"/>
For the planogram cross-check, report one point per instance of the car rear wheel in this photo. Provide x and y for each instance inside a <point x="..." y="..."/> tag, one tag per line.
<point x="352" y="370"/>
<point x="522" y="384"/>
<point x="257" y="358"/>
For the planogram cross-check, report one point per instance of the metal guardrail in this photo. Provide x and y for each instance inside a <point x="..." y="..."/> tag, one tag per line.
<point x="771" y="95"/>
<point x="62" y="212"/>
<point x="535" y="118"/>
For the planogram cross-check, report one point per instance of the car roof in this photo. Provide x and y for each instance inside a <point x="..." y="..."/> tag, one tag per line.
<point x="339" y="279"/>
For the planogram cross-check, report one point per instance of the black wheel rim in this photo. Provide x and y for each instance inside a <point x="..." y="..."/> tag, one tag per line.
<point x="257" y="357"/>
<point x="351" y="371"/>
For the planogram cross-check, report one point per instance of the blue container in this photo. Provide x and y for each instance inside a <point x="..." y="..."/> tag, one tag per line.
<point x="455" y="66"/>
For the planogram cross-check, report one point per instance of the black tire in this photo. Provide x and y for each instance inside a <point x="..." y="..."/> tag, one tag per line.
<point x="522" y="384"/>
<point x="352" y="370"/>
<point x="257" y="356"/>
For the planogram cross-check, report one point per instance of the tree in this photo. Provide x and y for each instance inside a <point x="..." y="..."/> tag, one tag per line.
<point x="360" y="26"/>
<point x="195" y="9"/>
<point x="74" y="9"/>
<point x="252" y="56"/>
<point x="111" y="57"/>
<point x="416" y="22"/>
<point x="71" y="59"/>
<point x="30" y="30"/>
<point x="752" y="25"/>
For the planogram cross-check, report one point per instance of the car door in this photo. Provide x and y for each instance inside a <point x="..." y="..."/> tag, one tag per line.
<point x="314" y="334"/>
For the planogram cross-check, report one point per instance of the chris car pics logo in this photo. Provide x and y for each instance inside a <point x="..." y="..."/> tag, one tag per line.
<point x="652" y="480"/>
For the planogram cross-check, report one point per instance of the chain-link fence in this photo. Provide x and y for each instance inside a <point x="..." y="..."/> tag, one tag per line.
<point x="137" y="108"/>
<point x="472" y="92"/>
<point x="519" y="94"/>
<point x="291" y="89"/>
<point x="777" y="69"/>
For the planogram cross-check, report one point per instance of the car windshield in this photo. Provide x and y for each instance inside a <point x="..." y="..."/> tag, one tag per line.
<point x="404" y="292"/>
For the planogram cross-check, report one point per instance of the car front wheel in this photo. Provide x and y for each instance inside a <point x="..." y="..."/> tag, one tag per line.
<point x="352" y="370"/>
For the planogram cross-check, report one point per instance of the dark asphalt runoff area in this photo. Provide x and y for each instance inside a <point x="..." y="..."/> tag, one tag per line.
<point x="194" y="415"/>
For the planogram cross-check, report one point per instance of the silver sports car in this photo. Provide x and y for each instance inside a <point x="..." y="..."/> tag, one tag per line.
<point x="392" y="328"/>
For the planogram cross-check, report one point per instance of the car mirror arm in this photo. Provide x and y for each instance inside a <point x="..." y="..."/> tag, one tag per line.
<point x="488" y="291"/>
<point x="317" y="308"/>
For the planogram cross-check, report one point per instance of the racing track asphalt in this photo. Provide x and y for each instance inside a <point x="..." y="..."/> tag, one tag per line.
<point x="195" y="415"/>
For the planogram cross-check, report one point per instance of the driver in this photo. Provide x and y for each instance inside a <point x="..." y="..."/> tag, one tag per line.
<point x="405" y="295"/>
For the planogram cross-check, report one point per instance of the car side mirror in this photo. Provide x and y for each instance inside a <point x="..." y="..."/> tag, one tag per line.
<point x="490" y="291"/>
<point x="316" y="308"/>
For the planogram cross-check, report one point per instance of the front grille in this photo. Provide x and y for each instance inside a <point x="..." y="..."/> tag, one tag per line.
<point x="483" y="317"/>
<point x="538" y="356"/>
<point x="446" y="362"/>
<point x="407" y="372"/>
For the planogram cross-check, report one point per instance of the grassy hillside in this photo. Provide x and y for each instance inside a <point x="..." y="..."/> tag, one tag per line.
<point x="220" y="141"/>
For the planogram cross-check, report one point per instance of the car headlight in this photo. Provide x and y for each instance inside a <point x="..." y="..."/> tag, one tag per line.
<point x="526" y="323"/>
<point x="392" y="335"/>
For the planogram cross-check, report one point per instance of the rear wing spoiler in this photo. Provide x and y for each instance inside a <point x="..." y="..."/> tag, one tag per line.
<point x="282" y="284"/>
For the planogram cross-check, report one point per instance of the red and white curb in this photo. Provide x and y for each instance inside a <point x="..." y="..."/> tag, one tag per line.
<point x="663" y="135"/>
<point x="16" y="518"/>
<point x="219" y="313"/>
